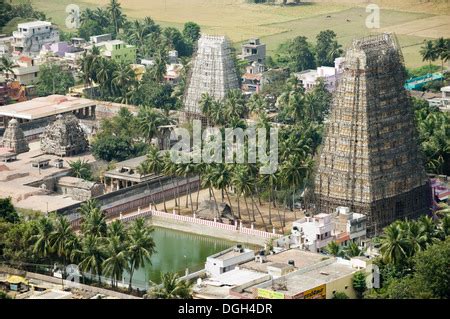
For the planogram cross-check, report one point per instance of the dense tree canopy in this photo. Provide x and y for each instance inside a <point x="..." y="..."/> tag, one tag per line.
<point x="54" y="79"/>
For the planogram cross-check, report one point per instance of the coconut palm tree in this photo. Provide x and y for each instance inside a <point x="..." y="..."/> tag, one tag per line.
<point x="334" y="249"/>
<point x="149" y="120"/>
<point x="105" y="71"/>
<point x="118" y="18"/>
<point x="221" y="175"/>
<point x="62" y="239"/>
<point x="42" y="240"/>
<point x="187" y="169"/>
<point x="153" y="164"/>
<point x="117" y="229"/>
<point x="269" y="181"/>
<point x="208" y="181"/>
<point x="441" y="48"/>
<point x="138" y="33"/>
<point x="243" y="184"/>
<point x="88" y="206"/>
<point x="444" y="227"/>
<point x="334" y="51"/>
<point x="352" y="250"/>
<point x="294" y="172"/>
<point x="122" y="79"/>
<point x="172" y="287"/>
<point x="206" y="105"/>
<point x="87" y="15"/>
<point x="94" y="223"/>
<point x="428" y="52"/>
<point x="429" y="229"/>
<point x="415" y="235"/>
<point x="141" y="246"/>
<point x="80" y="169"/>
<point x="116" y="261"/>
<point x="257" y="104"/>
<point x="170" y="169"/>
<point x="91" y="255"/>
<point x="394" y="244"/>
<point x="89" y="65"/>
<point x="234" y="104"/>
<point x="6" y="66"/>
<point x="158" y="69"/>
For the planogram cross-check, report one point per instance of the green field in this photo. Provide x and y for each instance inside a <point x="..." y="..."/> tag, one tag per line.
<point x="273" y="24"/>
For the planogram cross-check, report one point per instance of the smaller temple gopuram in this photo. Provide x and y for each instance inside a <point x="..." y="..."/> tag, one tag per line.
<point x="14" y="139"/>
<point x="64" y="137"/>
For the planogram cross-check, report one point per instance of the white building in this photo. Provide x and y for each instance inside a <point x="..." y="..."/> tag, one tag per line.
<point x="330" y="75"/>
<point x="5" y="45"/>
<point x="350" y="227"/>
<point x="227" y="260"/>
<point x="96" y="39"/>
<point x="31" y="36"/>
<point x="313" y="233"/>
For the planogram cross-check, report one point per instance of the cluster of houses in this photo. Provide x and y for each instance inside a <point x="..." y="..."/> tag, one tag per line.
<point x="35" y="43"/>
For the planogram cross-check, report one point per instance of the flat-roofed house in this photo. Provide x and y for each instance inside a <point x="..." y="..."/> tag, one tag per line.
<point x="31" y="36"/>
<point x="47" y="108"/>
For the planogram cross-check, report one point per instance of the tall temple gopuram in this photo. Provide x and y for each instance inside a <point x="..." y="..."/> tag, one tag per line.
<point x="370" y="159"/>
<point x="213" y="71"/>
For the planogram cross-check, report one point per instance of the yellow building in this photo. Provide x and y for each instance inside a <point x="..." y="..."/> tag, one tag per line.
<point x="320" y="281"/>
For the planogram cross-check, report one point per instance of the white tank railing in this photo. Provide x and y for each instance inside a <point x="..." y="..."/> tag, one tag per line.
<point x="237" y="227"/>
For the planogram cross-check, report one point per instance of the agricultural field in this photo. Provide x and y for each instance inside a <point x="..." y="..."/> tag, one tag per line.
<point x="240" y="20"/>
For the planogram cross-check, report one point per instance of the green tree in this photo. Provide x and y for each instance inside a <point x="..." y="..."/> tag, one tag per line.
<point x="153" y="164"/>
<point x="117" y="229"/>
<point x="191" y="31"/>
<point x="352" y="250"/>
<point x="175" y="40"/>
<point x="42" y="240"/>
<point x="441" y="49"/>
<point x="6" y="66"/>
<point x="394" y="245"/>
<point x="81" y="169"/>
<point x="428" y="52"/>
<point x="116" y="260"/>
<point x="62" y="239"/>
<point x="297" y="55"/>
<point x="172" y="288"/>
<point x="94" y="223"/>
<point x="7" y="211"/>
<point x="118" y="18"/>
<point x="359" y="283"/>
<point x="91" y="255"/>
<point x="334" y="249"/>
<point x="206" y="106"/>
<point x="141" y="246"/>
<point x="327" y="48"/>
<point x="149" y="120"/>
<point x="339" y="295"/>
<point x="432" y="269"/>
<point x="54" y="79"/>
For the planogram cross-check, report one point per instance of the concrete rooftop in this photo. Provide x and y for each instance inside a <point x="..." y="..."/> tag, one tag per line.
<point x="45" y="106"/>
